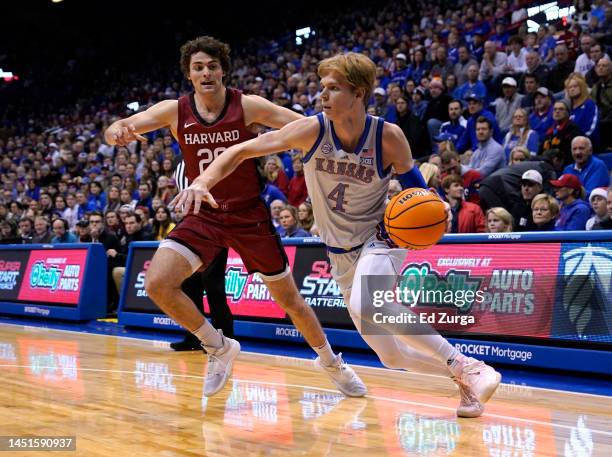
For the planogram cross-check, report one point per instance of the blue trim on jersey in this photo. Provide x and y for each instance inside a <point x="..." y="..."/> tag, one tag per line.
<point x="379" y="162"/>
<point x="334" y="250"/>
<point x="319" y="138"/>
<point x="362" y="138"/>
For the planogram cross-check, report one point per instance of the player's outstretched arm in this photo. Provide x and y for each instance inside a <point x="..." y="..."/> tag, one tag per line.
<point x="124" y="131"/>
<point x="300" y="134"/>
<point x="258" y="110"/>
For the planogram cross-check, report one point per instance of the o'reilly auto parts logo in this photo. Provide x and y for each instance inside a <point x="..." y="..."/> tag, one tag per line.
<point x="587" y="286"/>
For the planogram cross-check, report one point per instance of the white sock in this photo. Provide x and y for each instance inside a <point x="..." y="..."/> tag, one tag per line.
<point x="325" y="352"/>
<point x="208" y="335"/>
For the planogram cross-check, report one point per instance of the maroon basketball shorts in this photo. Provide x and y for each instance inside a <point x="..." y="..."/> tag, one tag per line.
<point x="250" y="232"/>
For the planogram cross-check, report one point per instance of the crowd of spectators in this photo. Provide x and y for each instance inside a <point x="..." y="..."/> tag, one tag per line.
<point x="499" y="119"/>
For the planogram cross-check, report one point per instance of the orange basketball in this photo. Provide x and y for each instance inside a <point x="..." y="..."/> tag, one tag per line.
<point x="415" y="218"/>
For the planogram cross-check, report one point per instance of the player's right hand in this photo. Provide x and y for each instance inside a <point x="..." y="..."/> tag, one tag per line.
<point x="194" y="194"/>
<point x="120" y="135"/>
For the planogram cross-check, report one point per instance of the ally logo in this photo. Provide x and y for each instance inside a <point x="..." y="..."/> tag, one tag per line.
<point x="587" y="273"/>
<point x="235" y="282"/>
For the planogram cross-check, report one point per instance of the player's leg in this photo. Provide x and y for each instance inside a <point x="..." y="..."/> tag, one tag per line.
<point x="193" y="288"/>
<point x="178" y="257"/>
<point x="471" y="375"/>
<point x="285" y="293"/>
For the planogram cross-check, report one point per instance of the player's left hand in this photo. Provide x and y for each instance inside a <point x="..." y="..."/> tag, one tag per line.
<point x="194" y="194"/>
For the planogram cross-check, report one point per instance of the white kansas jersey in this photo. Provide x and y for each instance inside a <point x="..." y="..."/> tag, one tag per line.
<point x="348" y="189"/>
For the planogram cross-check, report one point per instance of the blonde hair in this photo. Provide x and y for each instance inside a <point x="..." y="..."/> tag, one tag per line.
<point x="428" y="170"/>
<point x="523" y="150"/>
<point x="582" y="84"/>
<point x="526" y="129"/>
<point x="272" y="175"/>
<point x="358" y="70"/>
<point x="502" y="214"/>
<point x="553" y="206"/>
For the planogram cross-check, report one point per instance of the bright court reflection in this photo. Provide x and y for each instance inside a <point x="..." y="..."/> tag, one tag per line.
<point x="125" y="397"/>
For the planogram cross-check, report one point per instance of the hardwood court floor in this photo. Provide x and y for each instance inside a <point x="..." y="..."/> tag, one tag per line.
<point x="126" y="397"/>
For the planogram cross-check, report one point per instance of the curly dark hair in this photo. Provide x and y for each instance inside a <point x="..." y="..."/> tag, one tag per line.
<point x="210" y="46"/>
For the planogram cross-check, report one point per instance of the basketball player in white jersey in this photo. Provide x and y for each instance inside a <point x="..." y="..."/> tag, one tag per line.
<point x="349" y="157"/>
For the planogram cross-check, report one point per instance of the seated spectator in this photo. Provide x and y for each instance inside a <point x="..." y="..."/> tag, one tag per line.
<point x="162" y="225"/>
<point x="289" y="222"/>
<point x="492" y="66"/>
<point x="419" y="65"/>
<point x="559" y="72"/>
<point x="530" y="86"/>
<point x="26" y="228"/>
<point x="531" y="185"/>
<point x="498" y="220"/>
<point x="275" y="175"/>
<point x="96" y="200"/>
<point x="584" y="62"/>
<point x="62" y="233"/>
<point x="466" y="60"/>
<point x="584" y="111"/>
<point x="271" y="193"/>
<point x="541" y="118"/>
<point x="305" y="216"/>
<point x="574" y="210"/>
<point x="402" y="71"/>
<point x="437" y="107"/>
<point x="42" y="234"/>
<point x="451" y="165"/>
<point x="71" y="213"/>
<point x="394" y="188"/>
<point x="419" y="103"/>
<point x="489" y="155"/>
<point x="602" y="96"/>
<point x="545" y="211"/>
<point x="8" y="233"/>
<point x="520" y="134"/>
<point x="560" y="134"/>
<point x="112" y="223"/>
<point x="442" y="65"/>
<point x="454" y="128"/>
<point x="275" y="208"/>
<point x="133" y="232"/>
<point x="592" y="171"/>
<point x="125" y="197"/>
<point x="468" y="140"/>
<point x="506" y="105"/>
<point x="606" y="224"/>
<point x="144" y="196"/>
<point x="599" y="203"/>
<point x="45" y="203"/>
<point x="515" y="63"/>
<point x="431" y="175"/>
<point x="82" y="231"/>
<point x="147" y="222"/>
<point x="472" y="85"/>
<point x="413" y="128"/>
<point x="592" y="76"/>
<point x="519" y="154"/>
<point x="534" y="69"/>
<point x="380" y="102"/>
<point x="298" y="192"/>
<point x="467" y="217"/>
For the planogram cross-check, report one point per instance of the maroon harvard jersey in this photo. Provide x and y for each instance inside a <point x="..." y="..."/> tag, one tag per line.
<point x="201" y="142"/>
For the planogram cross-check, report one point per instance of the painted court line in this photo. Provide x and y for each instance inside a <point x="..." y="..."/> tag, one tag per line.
<point x="300" y="386"/>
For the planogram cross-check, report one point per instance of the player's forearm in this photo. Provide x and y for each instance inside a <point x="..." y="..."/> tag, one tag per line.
<point x="222" y="166"/>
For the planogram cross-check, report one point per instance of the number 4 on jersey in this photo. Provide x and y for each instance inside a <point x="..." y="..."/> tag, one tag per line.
<point x="337" y="195"/>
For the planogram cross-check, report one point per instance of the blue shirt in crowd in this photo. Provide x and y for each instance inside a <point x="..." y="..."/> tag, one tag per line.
<point x="574" y="216"/>
<point x="594" y="174"/>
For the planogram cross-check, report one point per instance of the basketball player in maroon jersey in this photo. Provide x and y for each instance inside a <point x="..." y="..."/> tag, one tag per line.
<point x="205" y="123"/>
